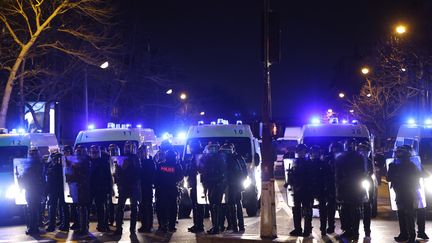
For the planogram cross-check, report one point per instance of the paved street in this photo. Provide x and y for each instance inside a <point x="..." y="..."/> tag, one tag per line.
<point x="384" y="228"/>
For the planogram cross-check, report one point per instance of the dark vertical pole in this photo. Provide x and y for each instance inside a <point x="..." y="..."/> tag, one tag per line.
<point x="86" y="98"/>
<point x="268" y="211"/>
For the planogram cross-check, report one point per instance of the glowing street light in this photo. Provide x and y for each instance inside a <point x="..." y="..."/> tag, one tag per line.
<point x="401" y="29"/>
<point x="365" y="70"/>
<point x="330" y="110"/>
<point x="351" y="111"/>
<point x="104" y="65"/>
<point x="341" y="95"/>
<point x="183" y="96"/>
<point x="168" y="92"/>
<point x="202" y="113"/>
<point x="369" y="95"/>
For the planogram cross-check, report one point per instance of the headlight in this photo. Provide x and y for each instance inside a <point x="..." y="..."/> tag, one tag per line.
<point x="12" y="192"/>
<point x="365" y="184"/>
<point x="247" y="182"/>
<point x="428" y="183"/>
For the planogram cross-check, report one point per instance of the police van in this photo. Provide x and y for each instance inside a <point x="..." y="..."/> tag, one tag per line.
<point x="419" y="137"/>
<point x="284" y="147"/>
<point x="246" y="145"/>
<point x="14" y="146"/>
<point x="323" y="134"/>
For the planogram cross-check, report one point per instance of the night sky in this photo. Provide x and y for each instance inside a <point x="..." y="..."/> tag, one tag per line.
<point x="216" y="46"/>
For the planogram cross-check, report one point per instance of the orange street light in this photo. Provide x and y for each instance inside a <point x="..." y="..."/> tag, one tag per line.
<point x="365" y="70"/>
<point x="400" y="29"/>
<point x="183" y="96"/>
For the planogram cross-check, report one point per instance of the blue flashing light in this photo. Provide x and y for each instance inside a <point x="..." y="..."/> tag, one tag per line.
<point x="91" y="127"/>
<point x="428" y="121"/>
<point x="354" y="121"/>
<point x="411" y="121"/>
<point x="239" y="122"/>
<point x="200" y="122"/>
<point x="111" y="125"/>
<point x="21" y="130"/>
<point x="138" y="126"/>
<point x="213" y="123"/>
<point x="181" y="135"/>
<point x="344" y="121"/>
<point x="165" y="136"/>
<point x="315" y="120"/>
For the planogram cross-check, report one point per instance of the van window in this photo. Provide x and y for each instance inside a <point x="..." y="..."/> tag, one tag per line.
<point x="7" y="154"/>
<point x="106" y="144"/>
<point x="324" y="142"/>
<point x="426" y="150"/>
<point x="243" y="146"/>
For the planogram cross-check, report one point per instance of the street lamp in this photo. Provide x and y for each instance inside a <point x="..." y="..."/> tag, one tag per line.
<point x="183" y="96"/>
<point x="365" y="70"/>
<point x="369" y="95"/>
<point x="202" y="113"/>
<point x="400" y="29"/>
<point x="341" y="95"/>
<point x="104" y="65"/>
<point x="168" y="92"/>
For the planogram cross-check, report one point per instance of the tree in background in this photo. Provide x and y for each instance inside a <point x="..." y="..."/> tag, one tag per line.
<point x="33" y="29"/>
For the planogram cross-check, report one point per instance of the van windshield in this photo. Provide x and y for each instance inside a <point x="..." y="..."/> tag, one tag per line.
<point x="285" y="146"/>
<point x="426" y="150"/>
<point x="7" y="154"/>
<point x="106" y="144"/>
<point x="242" y="145"/>
<point x="324" y="142"/>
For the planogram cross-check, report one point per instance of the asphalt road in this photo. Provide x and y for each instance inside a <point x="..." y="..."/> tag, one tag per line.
<point x="384" y="228"/>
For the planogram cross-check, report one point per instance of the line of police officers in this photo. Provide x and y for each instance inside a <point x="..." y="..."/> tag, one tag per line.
<point x="222" y="170"/>
<point x="342" y="179"/>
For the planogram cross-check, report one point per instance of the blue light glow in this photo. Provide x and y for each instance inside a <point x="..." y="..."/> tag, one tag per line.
<point x="315" y="120"/>
<point x="138" y="126"/>
<point x="181" y="135"/>
<point x="428" y="122"/>
<point x="165" y="136"/>
<point x="354" y="121"/>
<point x="21" y="130"/>
<point x="411" y="121"/>
<point x="344" y="121"/>
<point x="91" y="127"/>
<point x="200" y="122"/>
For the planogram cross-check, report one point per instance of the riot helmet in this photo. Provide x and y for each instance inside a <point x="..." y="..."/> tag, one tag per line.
<point x="143" y="152"/>
<point x="113" y="150"/>
<point x="336" y="147"/>
<point x="67" y="150"/>
<point x="53" y="149"/>
<point x="301" y="150"/>
<point x="364" y="149"/>
<point x="33" y="152"/>
<point x="315" y="152"/>
<point x="95" y="152"/>
<point x="403" y="153"/>
<point x="165" y="146"/>
<point x="194" y="146"/>
<point x="227" y="148"/>
<point x="171" y="156"/>
<point x="80" y="150"/>
<point x="129" y="148"/>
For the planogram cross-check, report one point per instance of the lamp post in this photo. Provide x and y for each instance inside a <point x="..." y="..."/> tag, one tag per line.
<point x="104" y="65"/>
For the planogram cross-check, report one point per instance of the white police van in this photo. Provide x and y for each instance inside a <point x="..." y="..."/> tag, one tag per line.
<point x="323" y="134"/>
<point x="246" y="145"/>
<point x="285" y="146"/>
<point x="15" y="146"/>
<point x="419" y="137"/>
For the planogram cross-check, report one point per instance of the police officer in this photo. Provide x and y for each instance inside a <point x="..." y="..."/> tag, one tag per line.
<point x="322" y="175"/>
<point x="147" y="179"/>
<point x="168" y="174"/>
<point x="350" y="172"/>
<point x="54" y="179"/>
<point x="404" y="178"/>
<point x="191" y="173"/>
<point x="129" y="186"/>
<point x="214" y="180"/>
<point x="101" y="185"/>
<point x="236" y="174"/>
<point x="299" y="177"/>
<point x="113" y="150"/>
<point x="70" y="209"/>
<point x="31" y="179"/>
<point x="364" y="150"/>
<point x="81" y="172"/>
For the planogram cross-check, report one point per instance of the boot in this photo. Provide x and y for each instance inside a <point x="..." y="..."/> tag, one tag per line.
<point x="239" y="211"/>
<point x="215" y="220"/>
<point x="84" y="220"/>
<point x="296" y="211"/>
<point x="233" y="218"/>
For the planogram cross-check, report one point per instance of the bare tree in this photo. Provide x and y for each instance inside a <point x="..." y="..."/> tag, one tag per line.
<point x="31" y="28"/>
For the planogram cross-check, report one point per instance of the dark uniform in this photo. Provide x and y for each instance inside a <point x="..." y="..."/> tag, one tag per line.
<point x="191" y="173"/>
<point x="113" y="150"/>
<point x="404" y="178"/>
<point x="101" y="186"/>
<point x="129" y="186"/>
<point x="323" y="177"/>
<point x="33" y="182"/>
<point x="81" y="176"/>
<point x="299" y="178"/>
<point x="364" y="150"/>
<point x="168" y="174"/>
<point x="54" y="179"/>
<point x="236" y="174"/>
<point x="147" y="180"/>
<point x="214" y="180"/>
<point x="350" y="172"/>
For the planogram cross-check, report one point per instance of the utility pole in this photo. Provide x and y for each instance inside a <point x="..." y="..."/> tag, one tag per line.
<point x="268" y="210"/>
<point x="86" y="98"/>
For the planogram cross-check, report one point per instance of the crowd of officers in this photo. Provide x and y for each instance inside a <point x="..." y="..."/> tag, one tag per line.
<point x="342" y="179"/>
<point x="136" y="177"/>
